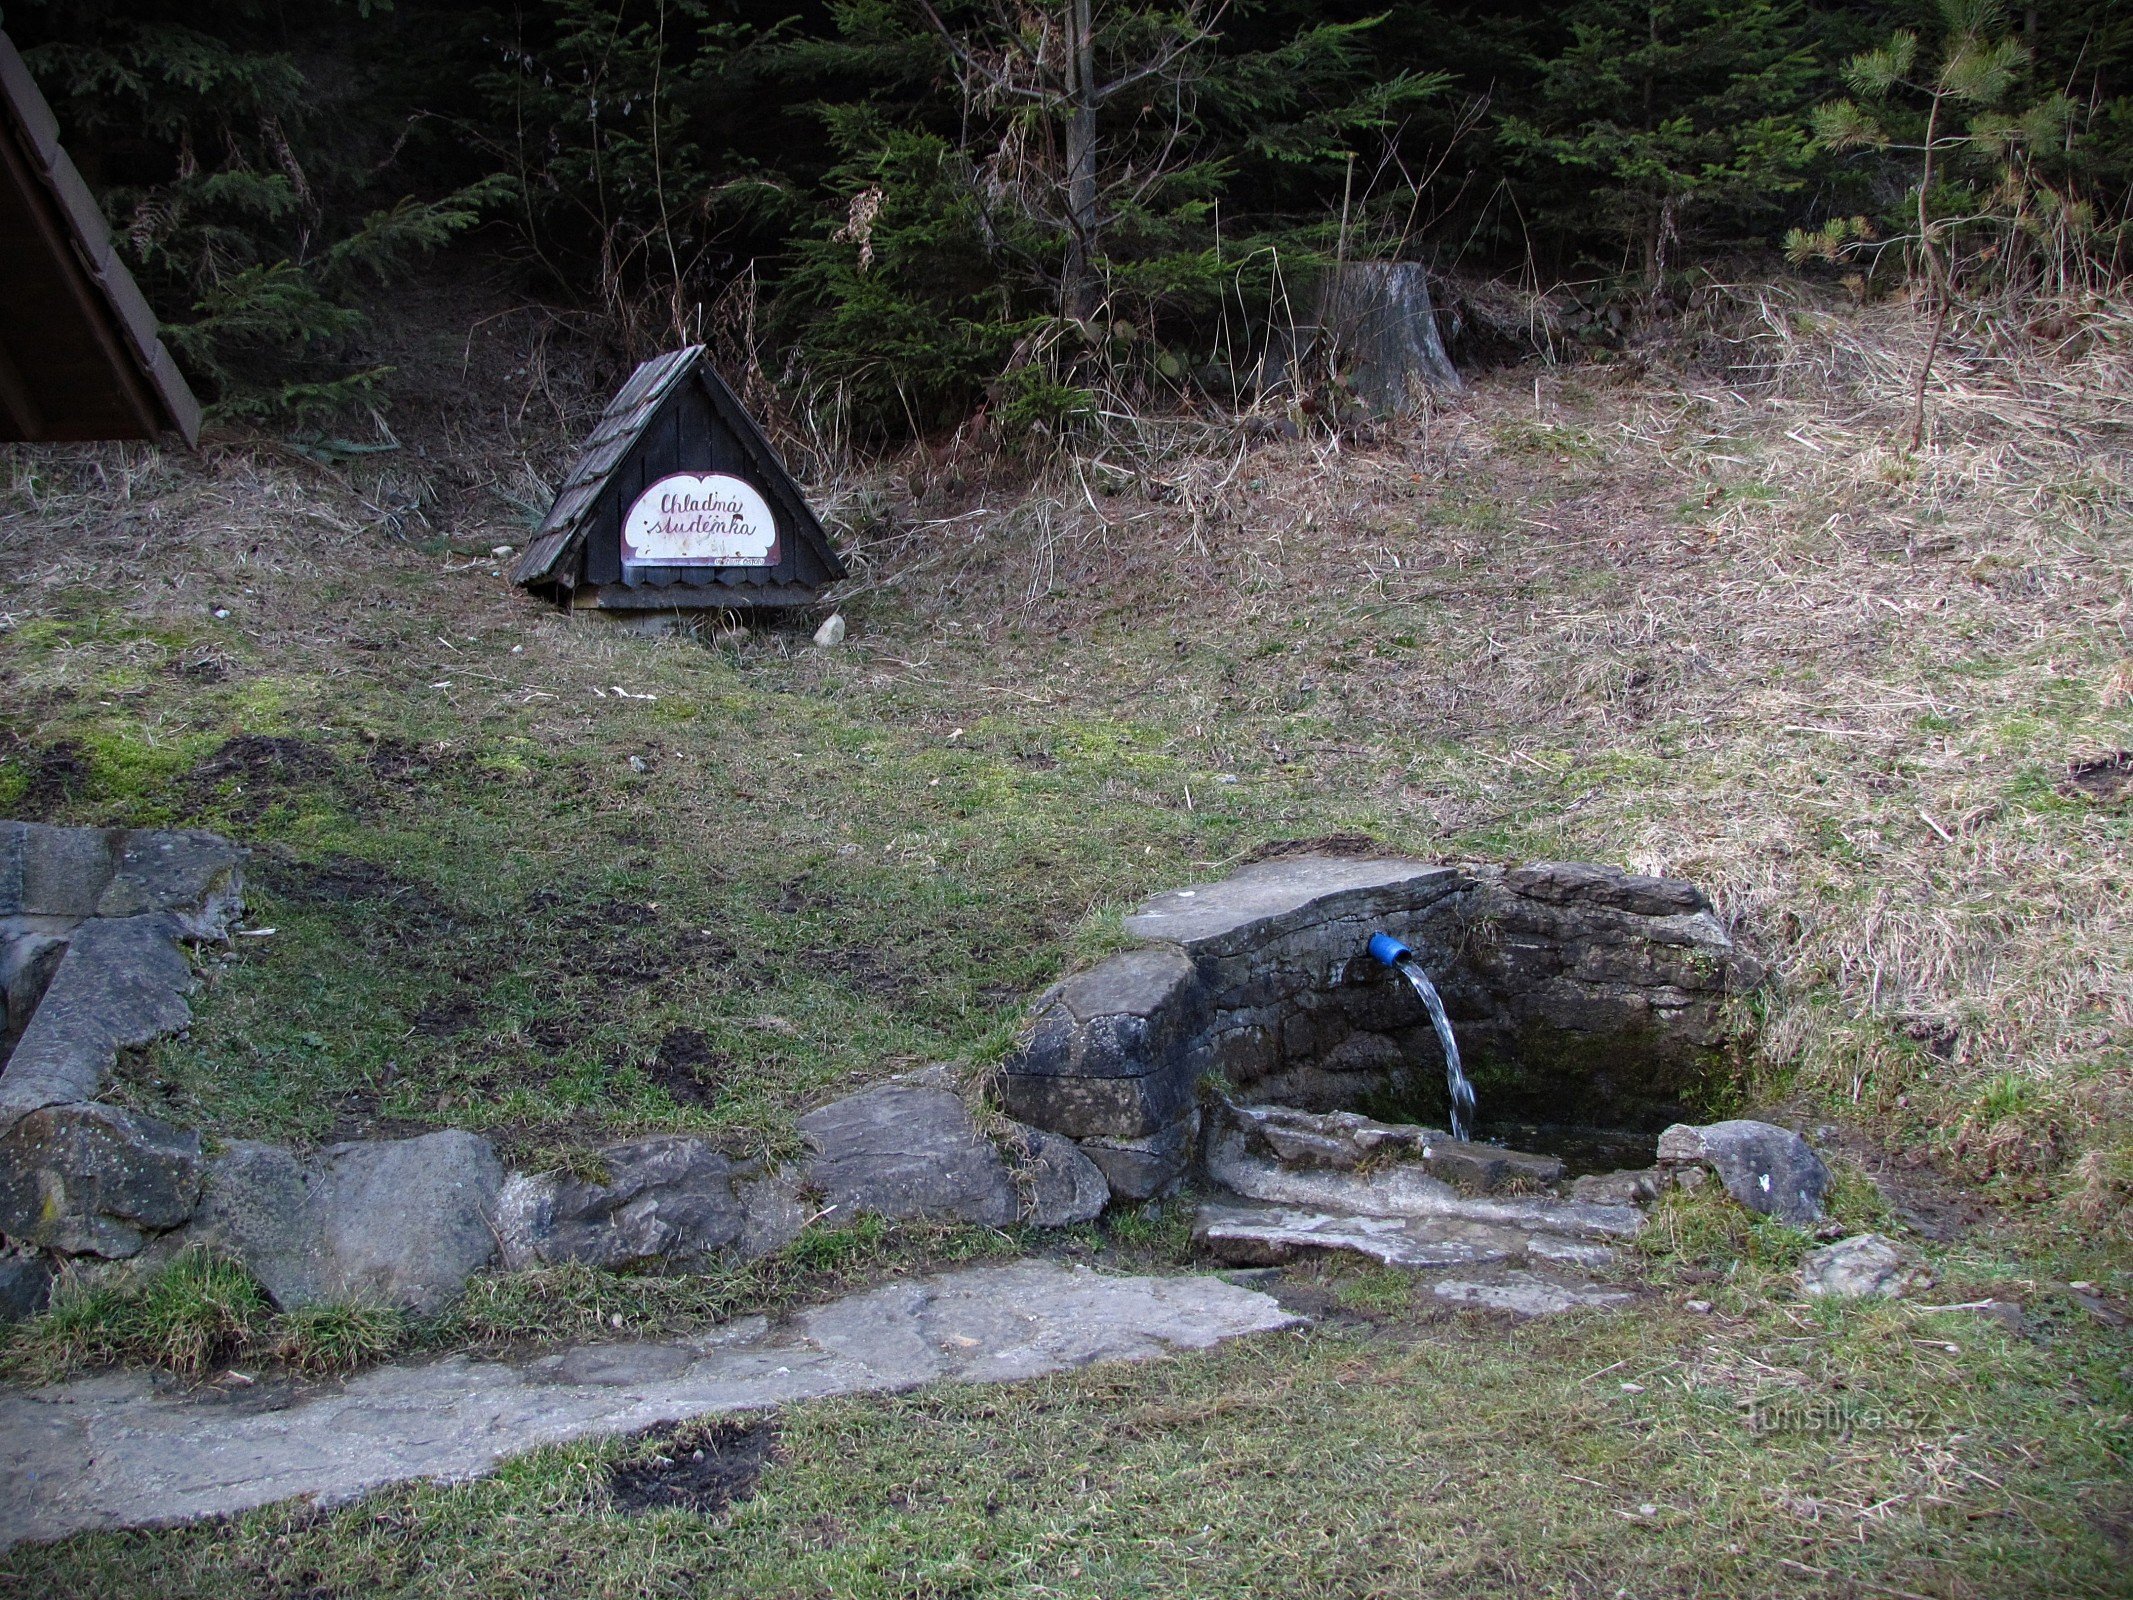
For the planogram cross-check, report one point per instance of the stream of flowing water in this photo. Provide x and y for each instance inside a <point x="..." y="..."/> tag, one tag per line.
<point x="1455" y="1079"/>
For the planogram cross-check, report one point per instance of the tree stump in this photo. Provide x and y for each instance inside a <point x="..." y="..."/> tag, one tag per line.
<point x="1374" y="330"/>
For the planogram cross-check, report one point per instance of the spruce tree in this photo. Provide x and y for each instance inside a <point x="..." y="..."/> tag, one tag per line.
<point x="244" y="196"/>
<point x="1664" y="127"/>
<point x="1050" y="203"/>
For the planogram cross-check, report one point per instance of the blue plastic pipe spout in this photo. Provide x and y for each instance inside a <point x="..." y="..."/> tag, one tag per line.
<point x="1388" y="949"/>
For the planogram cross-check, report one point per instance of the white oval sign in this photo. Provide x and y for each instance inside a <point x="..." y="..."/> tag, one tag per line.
<point x="710" y="519"/>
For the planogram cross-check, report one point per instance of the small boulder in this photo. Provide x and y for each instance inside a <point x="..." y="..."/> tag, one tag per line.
<point x="906" y="1150"/>
<point x="1141" y="1169"/>
<point x="1768" y="1169"/>
<point x="831" y="633"/>
<point x="1060" y="1186"/>
<point x="25" y="1284"/>
<point x="196" y="878"/>
<point x="1863" y="1265"/>
<point x="408" y="1219"/>
<point x="399" y="1222"/>
<point x="1630" y="1186"/>
<point x="89" y="1179"/>
<point x="666" y="1199"/>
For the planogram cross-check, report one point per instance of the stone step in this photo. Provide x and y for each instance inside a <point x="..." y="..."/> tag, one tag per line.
<point x="1345" y="1141"/>
<point x="1273" y="1235"/>
<point x="1404" y="1190"/>
<point x="1243" y="1234"/>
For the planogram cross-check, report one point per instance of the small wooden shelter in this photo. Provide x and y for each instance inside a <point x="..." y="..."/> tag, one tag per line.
<point x="79" y="356"/>
<point x="677" y="502"/>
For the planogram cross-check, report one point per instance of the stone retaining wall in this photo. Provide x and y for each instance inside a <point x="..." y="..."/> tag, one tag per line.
<point x="1588" y="991"/>
<point x="1580" y="986"/>
<point x="92" y="928"/>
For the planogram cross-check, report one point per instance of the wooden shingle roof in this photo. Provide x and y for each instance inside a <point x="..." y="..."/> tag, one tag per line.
<point x="621" y="425"/>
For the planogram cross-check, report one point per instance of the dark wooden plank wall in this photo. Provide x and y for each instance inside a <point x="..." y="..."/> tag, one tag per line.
<point x="688" y="436"/>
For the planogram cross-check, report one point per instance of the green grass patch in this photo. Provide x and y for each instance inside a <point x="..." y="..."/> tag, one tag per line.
<point x="1697" y="1233"/>
<point x="1584" y="1456"/>
<point x="324" y="1339"/>
<point x="183" y="1318"/>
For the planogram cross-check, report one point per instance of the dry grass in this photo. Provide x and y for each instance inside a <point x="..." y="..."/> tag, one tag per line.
<point x="1713" y="621"/>
<point x="1723" y="618"/>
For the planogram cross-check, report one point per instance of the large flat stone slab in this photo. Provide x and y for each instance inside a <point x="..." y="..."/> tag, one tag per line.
<point x="1269" y="898"/>
<point x="121" y="872"/>
<point x="1529" y="1294"/>
<point x="121" y="985"/>
<point x="195" y="878"/>
<point x="1272" y="1235"/>
<point x="53" y="872"/>
<point x="117" y="1451"/>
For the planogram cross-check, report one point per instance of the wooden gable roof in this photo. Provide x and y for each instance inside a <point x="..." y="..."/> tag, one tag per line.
<point x="79" y="356"/>
<point x="600" y="483"/>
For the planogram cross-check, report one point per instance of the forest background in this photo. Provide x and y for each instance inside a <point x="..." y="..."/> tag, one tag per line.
<point x="934" y="212"/>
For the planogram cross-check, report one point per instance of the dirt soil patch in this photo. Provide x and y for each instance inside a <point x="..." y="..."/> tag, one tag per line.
<point x="342" y="880"/>
<point x="2107" y="780"/>
<point x="54" y="772"/>
<point x="687" y="1067"/>
<point x="701" y="1467"/>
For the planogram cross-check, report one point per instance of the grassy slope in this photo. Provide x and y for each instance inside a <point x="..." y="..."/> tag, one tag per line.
<point x="1390" y="1451"/>
<point x="1649" y="622"/>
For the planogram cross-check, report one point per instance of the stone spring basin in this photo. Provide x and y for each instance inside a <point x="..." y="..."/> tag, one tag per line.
<point x="1584" y="997"/>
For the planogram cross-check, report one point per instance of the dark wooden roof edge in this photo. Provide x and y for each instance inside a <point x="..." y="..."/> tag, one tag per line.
<point x="621" y="425"/>
<point x="91" y="249"/>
